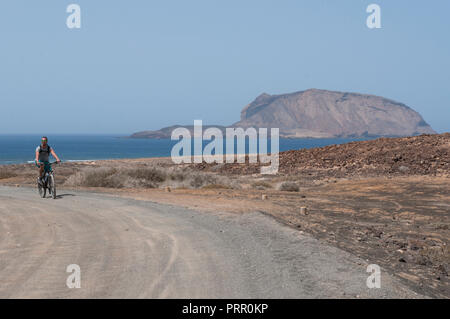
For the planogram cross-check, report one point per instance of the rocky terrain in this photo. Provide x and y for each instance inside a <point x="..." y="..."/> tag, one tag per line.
<point x="324" y="114"/>
<point x="417" y="155"/>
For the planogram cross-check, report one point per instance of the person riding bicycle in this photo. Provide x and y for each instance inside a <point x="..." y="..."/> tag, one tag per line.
<point x="43" y="152"/>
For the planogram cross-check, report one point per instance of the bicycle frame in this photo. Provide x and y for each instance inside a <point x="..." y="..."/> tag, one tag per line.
<point x="48" y="172"/>
<point x="48" y="166"/>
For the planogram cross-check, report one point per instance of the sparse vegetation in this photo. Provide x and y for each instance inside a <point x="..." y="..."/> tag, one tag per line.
<point x="200" y="179"/>
<point x="177" y="176"/>
<point x="261" y="185"/>
<point x="148" y="174"/>
<point x="95" y="177"/>
<point x="5" y="172"/>
<point x="144" y="177"/>
<point x="117" y="178"/>
<point x="289" y="187"/>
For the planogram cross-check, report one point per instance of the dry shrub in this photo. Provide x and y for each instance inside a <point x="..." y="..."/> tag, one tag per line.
<point x="198" y="180"/>
<point x="289" y="187"/>
<point x="145" y="177"/>
<point x="6" y="172"/>
<point x="261" y="185"/>
<point x="96" y="177"/>
<point x="102" y="177"/>
<point x="148" y="174"/>
<point x="177" y="176"/>
<point x="114" y="178"/>
<point x="64" y="172"/>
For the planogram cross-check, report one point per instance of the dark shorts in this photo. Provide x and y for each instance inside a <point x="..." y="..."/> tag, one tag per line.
<point x="47" y="166"/>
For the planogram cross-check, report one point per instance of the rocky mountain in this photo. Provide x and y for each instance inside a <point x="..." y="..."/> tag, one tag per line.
<point x="320" y="113"/>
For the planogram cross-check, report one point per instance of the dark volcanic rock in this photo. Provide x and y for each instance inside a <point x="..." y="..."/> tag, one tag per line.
<point x="417" y="155"/>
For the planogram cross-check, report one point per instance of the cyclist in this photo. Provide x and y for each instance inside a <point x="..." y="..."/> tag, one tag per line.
<point x="43" y="152"/>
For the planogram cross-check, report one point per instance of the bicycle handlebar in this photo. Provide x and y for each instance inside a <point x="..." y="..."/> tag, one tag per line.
<point x="51" y="163"/>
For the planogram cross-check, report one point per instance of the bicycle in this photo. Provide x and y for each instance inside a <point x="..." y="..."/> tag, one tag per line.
<point x="47" y="181"/>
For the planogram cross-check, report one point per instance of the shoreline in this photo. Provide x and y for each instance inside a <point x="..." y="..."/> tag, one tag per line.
<point x="128" y="154"/>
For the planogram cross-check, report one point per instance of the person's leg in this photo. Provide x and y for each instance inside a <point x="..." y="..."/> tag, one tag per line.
<point x="47" y="167"/>
<point x="41" y="169"/>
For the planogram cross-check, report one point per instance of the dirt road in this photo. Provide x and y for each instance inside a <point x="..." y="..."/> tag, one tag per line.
<point x="137" y="249"/>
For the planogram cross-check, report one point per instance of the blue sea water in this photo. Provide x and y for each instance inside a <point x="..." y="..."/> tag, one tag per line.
<point x="20" y="148"/>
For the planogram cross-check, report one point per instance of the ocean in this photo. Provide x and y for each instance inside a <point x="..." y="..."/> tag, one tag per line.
<point x="15" y="149"/>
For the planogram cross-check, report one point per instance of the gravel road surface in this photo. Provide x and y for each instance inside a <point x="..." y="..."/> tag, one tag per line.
<point x="137" y="249"/>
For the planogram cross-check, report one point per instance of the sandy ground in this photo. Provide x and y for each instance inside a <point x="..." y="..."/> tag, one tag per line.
<point x="138" y="249"/>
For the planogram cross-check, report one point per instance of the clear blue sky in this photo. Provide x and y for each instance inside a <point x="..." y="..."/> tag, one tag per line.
<point x="144" y="64"/>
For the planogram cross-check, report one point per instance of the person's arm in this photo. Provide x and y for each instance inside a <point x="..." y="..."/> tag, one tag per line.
<point x="37" y="159"/>
<point x="54" y="155"/>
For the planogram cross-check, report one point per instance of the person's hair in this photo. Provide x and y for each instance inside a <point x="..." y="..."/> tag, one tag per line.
<point x="44" y="138"/>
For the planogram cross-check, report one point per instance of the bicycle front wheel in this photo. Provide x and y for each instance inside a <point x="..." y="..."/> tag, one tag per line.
<point x="41" y="190"/>
<point x="52" y="186"/>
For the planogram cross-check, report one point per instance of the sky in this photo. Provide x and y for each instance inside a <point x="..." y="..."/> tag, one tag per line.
<point x="145" y="64"/>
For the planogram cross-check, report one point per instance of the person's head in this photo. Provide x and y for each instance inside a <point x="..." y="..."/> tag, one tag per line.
<point x="44" y="140"/>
